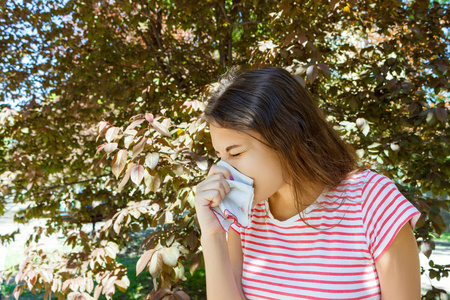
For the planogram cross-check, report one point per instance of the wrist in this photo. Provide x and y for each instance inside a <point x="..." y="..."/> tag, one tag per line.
<point x="215" y="236"/>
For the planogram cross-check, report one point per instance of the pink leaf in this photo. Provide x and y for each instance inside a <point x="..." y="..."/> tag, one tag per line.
<point x="119" y="162"/>
<point x="110" y="147"/>
<point x="143" y="261"/>
<point x="311" y="73"/>
<point x="128" y="140"/>
<point x="112" y="133"/>
<point x="170" y="256"/>
<point x="102" y="126"/>
<point x="160" y="294"/>
<point x="137" y="149"/>
<point x="151" y="160"/>
<point x="156" y="264"/>
<point x="134" y="124"/>
<point x="125" y="178"/>
<point x="99" y="148"/>
<point x="65" y="285"/>
<point x="149" y="118"/>
<point x="441" y="114"/>
<point x="17" y="291"/>
<point x="325" y="69"/>
<point x="137" y="174"/>
<point x="302" y="38"/>
<point x="180" y="295"/>
<point x="97" y="291"/>
<point x="89" y="285"/>
<point x="201" y="162"/>
<point x="160" y="128"/>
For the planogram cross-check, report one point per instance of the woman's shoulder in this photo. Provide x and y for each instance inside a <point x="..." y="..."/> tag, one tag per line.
<point x="360" y="183"/>
<point x="363" y="176"/>
<point x="356" y="182"/>
<point x="356" y="178"/>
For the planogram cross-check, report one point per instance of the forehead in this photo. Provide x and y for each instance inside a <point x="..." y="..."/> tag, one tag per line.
<point x="224" y="137"/>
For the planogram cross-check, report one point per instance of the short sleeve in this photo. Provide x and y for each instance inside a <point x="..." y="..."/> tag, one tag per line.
<point x="384" y="211"/>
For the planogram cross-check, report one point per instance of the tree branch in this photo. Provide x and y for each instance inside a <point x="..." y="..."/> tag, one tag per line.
<point x="224" y="12"/>
<point x="156" y="17"/>
<point x="247" y="23"/>
<point x="75" y="182"/>
<point x="51" y="188"/>
<point x="152" y="49"/>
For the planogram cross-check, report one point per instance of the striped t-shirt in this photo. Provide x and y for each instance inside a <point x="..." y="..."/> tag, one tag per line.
<point x="332" y="255"/>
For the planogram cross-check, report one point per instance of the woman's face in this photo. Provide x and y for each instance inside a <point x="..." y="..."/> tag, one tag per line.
<point x="250" y="157"/>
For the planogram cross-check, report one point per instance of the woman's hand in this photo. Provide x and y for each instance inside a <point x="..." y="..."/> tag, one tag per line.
<point x="209" y="193"/>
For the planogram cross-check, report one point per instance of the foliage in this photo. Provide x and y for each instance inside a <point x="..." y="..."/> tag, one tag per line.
<point x="139" y="285"/>
<point x="445" y="237"/>
<point x="112" y="91"/>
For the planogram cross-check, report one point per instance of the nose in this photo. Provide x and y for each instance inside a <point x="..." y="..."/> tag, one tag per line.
<point x="232" y="166"/>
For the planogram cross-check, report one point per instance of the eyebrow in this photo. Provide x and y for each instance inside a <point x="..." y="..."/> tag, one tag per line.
<point x="230" y="147"/>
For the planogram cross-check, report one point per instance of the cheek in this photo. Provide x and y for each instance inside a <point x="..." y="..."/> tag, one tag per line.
<point x="268" y="178"/>
<point x="268" y="183"/>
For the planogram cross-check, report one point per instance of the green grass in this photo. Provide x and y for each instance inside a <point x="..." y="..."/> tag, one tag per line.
<point x="445" y="237"/>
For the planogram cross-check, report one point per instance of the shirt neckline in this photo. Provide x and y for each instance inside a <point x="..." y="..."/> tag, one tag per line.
<point x="296" y="217"/>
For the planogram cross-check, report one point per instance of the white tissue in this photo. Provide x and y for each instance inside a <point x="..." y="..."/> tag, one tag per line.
<point x="237" y="205"/>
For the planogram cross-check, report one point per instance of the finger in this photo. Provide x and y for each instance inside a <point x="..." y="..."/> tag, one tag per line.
<point x="219" y="185"/>
<point x="226" y="185"/>
<point x="219" y="177"/>
<point x="216" y="199"/>
<point x="213" y="177"/>
<point x="208" y="179"/>
<point x="210" y="198"/>
<point x="215" y="169"/>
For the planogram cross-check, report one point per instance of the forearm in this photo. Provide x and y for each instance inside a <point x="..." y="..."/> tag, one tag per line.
<point x="220" y="281"/>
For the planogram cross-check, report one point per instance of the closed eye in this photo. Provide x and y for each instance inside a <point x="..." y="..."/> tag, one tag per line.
<point x="234" y="155"/>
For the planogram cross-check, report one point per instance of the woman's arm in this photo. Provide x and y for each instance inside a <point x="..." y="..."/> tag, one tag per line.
<point x="220" y="282"/>
<point x="236" y="258"/>
<point x="220" y="277"/>
<point x="399" y="268"/>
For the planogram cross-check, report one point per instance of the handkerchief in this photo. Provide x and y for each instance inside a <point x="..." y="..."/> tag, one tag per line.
<point x="237" y="204"/>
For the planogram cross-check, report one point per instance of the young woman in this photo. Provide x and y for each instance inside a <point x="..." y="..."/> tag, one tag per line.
<point x="321" y="228"/>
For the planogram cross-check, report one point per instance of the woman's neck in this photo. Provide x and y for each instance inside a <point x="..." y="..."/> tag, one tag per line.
<point x="283" y="205"/>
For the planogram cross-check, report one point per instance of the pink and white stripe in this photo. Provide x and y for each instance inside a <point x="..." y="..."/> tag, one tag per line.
<point x="333" y="255"/>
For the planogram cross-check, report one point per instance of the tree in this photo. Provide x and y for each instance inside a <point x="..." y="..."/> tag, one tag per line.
<point x="136" y="74"/>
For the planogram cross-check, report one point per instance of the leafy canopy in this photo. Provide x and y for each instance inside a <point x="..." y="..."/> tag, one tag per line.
<point x="108" y="122"/>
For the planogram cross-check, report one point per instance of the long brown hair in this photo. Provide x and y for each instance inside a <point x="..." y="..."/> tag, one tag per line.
<point x="273" y="103"/>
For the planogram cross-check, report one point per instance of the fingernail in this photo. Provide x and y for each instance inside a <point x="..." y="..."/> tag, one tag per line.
<point x="231" y="177"/>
